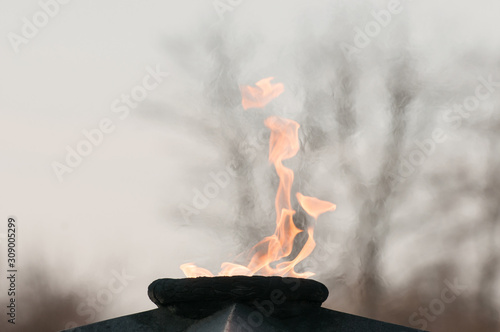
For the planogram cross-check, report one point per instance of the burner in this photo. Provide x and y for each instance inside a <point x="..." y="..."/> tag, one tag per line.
<point x="203" y="296"/>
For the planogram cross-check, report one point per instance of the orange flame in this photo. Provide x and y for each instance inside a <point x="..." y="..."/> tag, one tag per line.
<point x="261" y="95"/>
<point x="313" y="206"/>
<point x="283" y="144"/>
<point x="191" y="270"/>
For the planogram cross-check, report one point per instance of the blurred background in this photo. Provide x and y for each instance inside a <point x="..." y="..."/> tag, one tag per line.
<point x="125" y="151"/>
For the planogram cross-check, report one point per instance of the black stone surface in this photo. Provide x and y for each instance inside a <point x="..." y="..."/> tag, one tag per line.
<point x="201" y="297"/>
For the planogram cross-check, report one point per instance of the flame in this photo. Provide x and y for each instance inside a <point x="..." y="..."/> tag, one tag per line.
<point x="261" y="95"/>
<point x="313" y="206"/>
<point x="231" y="269"/>
<point x="268" y="257"/>
<point x="191" y="271"/>
<point x="288" y="267"/>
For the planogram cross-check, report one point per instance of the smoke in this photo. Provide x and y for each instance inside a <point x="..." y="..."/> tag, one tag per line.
<point x="373" y="86"/>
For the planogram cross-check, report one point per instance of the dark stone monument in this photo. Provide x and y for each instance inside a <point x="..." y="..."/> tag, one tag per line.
<point x="240" y="304"/>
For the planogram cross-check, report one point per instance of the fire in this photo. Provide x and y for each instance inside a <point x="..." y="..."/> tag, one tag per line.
<point x="313" y="206"/>
<point x="268" y="257"/>
<point x="191" y="270"/>
<point x="261" y="95"/>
